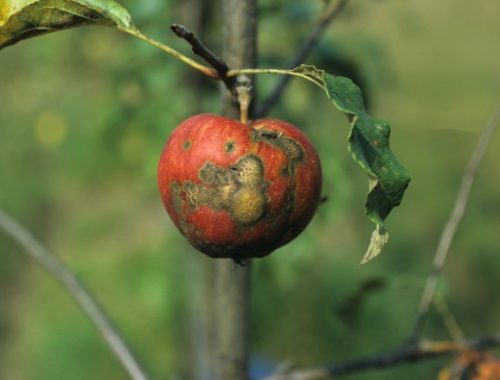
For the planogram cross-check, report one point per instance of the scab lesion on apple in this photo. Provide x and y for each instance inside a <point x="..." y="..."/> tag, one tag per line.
<point x="186" y="145"/>
<point x="229" y="146"/>
<point x="240" y="190"/>
<point x="250" y="170"/>
<point x="292" y="149"/>
<point x="247" y="206"/>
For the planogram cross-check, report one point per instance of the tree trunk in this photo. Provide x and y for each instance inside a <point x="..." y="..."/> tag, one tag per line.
<point x="233" y="281"/>
<point x="196" y="15"/>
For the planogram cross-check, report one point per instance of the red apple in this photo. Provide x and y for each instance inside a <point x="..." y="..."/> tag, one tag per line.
<point x="239" y="191"/>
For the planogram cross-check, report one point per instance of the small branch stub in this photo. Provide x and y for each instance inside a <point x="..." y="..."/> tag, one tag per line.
<point x="202" y="51"/>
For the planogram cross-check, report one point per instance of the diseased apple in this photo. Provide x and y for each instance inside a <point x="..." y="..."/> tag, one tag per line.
<point x="239" y="191"/>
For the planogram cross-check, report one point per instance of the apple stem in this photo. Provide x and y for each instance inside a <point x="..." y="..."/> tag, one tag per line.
<point x="244" y="93"/>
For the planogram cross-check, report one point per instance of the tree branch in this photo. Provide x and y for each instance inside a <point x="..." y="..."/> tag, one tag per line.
<point x="408" y="353"/>
<point x="331" y="12"/>
<point x="453" y="222"/>
<point x="232" y="283"/>
<point x="202" y="51"/>
<point x="77" y="291"/>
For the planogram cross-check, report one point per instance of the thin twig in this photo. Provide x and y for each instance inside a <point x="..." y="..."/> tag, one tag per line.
<point x="208" y="71"/>
<point x="409" y="353"/>
<point x="331" y="11"/>
<point x="317" y="80"/>
<point x="448" y="318"/>
<point x="78" y="291"/>
<point x="202" y="51"/>
<point x="453" y="222"/>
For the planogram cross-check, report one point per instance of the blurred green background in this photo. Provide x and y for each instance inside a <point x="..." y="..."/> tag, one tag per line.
<point x="84" y="114"/>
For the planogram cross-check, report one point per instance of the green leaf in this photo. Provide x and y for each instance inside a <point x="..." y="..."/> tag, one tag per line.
<point x="368" y="143"/>
<point x="21" y="19"/>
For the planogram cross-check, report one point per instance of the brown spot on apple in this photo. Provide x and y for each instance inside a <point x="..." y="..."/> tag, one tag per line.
<point x="186" y="145"/>
<point x="214" y="175"/>
<point x="229" y="146"/>
<point x="292" y="149"/>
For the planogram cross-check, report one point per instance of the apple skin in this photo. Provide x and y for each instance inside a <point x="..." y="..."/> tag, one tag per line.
<point x="239" y="191"/>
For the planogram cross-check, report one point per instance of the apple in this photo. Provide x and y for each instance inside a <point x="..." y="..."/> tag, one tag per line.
<point x="239" y="190"/>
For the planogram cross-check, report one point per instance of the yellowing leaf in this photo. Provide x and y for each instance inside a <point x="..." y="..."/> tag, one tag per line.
<point x="21" y="19"/>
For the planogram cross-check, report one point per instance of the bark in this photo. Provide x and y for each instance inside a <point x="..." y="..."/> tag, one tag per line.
<point x="240" y="41"/>
<point x="233" y="281"/>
